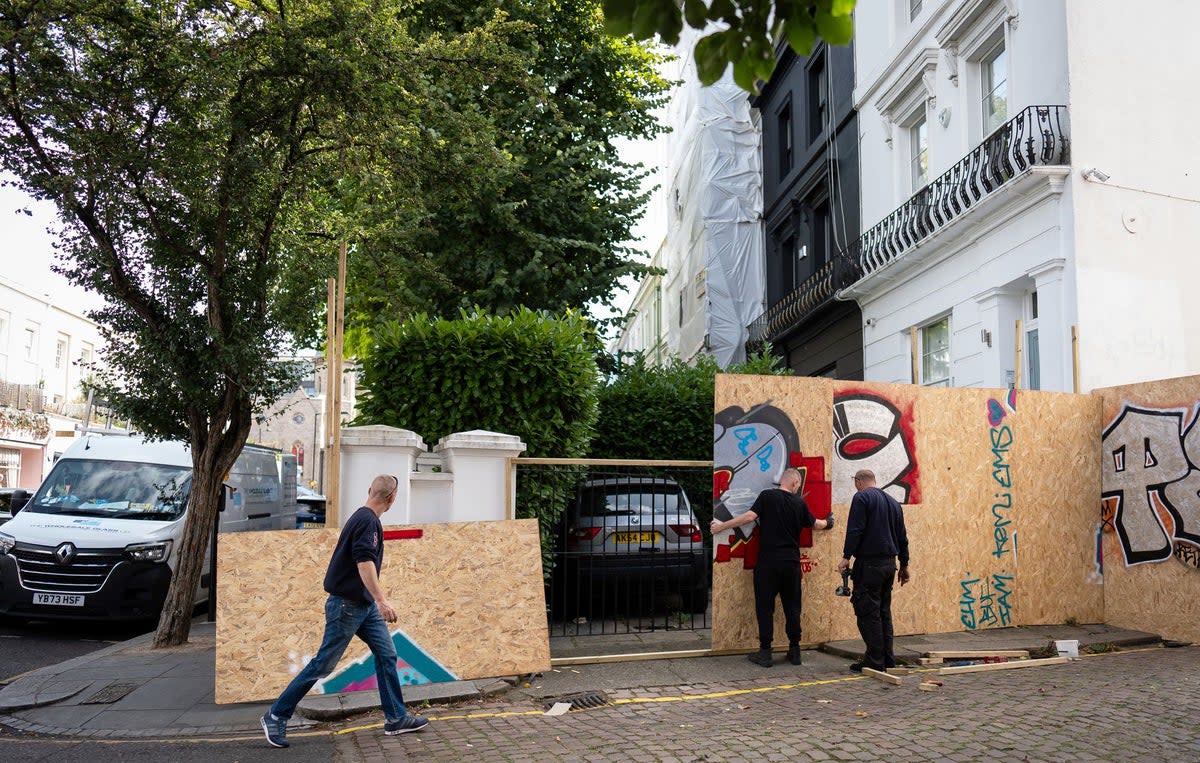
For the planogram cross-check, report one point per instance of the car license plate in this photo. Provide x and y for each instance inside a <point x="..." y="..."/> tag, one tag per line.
<point x="640" y="537"/>
<point x="312" y="525"/>
<point x="58" y="599"/>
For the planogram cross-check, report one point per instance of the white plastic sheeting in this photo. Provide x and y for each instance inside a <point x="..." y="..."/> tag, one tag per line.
<point x="714" y="230"/>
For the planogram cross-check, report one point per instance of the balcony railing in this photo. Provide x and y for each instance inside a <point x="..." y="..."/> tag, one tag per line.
<point x="816" y="290"/>
<point x="1038" y="135"/>
<point x="22" y="397"/>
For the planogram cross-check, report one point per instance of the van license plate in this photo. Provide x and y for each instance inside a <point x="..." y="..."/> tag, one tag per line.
<point x="635" y="537"/>
<point x="58" y="599"/>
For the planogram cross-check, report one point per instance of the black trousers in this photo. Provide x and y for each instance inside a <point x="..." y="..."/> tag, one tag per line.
<point x="872" y="600"/>
<point x="782" y="579"/>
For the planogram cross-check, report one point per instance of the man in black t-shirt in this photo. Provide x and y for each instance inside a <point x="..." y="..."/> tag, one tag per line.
<point x="781" y="514"/>
<point x="875" y="537"/>
<point x="356" y="606"/>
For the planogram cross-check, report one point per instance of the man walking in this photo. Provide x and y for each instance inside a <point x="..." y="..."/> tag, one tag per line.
<point x="781" y="514"/>
<point x="356" y="606"/>
<point x="875" y="537"/>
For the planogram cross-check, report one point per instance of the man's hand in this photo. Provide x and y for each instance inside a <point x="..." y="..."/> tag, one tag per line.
<point x="904" y="575"/>
<point x="843" y="565"/>
<point x="829" y="521"/>
<point x="716" y="526"/>
<point x="386" y="611"/>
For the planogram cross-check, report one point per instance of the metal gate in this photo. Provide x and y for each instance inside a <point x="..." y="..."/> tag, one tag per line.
<point x="626" y="551"/>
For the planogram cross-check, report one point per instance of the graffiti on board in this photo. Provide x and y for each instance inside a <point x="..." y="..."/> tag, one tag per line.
<point x="413" y="664"/>
<point x="985" y="600"/>
<point x="1151" y="484"/>
<point x="872" y="432"/>
<point x="751" y="449"/>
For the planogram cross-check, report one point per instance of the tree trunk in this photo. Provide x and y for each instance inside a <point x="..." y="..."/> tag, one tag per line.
<point x="209" y="469"/>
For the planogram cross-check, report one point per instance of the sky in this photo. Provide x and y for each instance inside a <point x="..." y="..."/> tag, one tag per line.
<point x="27" y="251"/>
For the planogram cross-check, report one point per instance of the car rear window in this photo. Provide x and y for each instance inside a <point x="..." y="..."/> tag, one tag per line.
<point x="635" y="499"/>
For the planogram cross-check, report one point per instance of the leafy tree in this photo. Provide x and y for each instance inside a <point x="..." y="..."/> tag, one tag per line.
<point x="744" y="32"/>
<point x="176" y="138"/>
<point x="543" y="224"/>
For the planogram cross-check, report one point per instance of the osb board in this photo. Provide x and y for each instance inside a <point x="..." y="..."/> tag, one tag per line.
<point x="469" y="594"/>
<point x="1158" y="595"/>
<point x="999" y="506"/>
<point x="810" y="409"/>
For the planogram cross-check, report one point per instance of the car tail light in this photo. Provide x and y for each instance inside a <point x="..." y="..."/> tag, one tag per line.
<point x="685" y="531"/>
<point x="579" y="534"/>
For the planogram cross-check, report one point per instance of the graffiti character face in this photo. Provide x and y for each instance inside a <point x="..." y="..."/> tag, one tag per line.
<point x="750" y="451"/>
<point x="867" y="435"/>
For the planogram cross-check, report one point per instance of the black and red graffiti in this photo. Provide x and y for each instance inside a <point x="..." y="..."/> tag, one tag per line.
<point x="1150" y="481"/>
<point x="751" y="449"/>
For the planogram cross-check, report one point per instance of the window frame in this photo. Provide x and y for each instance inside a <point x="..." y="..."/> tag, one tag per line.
<point x="924" y="353"/>
<point x="996" y="50"/>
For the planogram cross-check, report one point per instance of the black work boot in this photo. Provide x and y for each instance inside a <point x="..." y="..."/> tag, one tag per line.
<point x="793" y="654"/>
<point x="762" y="657"/>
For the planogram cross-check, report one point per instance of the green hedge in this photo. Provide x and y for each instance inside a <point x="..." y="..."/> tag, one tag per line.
<point x="526" y="374"/>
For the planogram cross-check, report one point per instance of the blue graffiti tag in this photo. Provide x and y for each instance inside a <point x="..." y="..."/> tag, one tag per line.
<point x="745" y="436"/>
<point x="966" y="604"/>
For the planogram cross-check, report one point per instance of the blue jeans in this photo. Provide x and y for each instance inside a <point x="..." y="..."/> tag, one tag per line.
<point x="345" y="619"/>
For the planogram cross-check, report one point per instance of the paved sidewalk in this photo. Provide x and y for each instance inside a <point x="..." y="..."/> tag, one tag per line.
<point x="129" y="690"/>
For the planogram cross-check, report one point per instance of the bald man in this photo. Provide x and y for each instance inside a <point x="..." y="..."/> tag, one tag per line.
<point x="357" y="606"/>
<point x="781" y="514"/>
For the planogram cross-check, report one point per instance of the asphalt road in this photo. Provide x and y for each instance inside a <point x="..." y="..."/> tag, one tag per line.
<point x="35" y="644"/>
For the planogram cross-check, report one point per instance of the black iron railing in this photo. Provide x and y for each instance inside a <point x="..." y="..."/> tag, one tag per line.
<point x="1037" y="135"/>
<point x="816" y="290"/>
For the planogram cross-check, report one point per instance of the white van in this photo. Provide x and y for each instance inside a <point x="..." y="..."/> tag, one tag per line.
<point x="100" y="538"/>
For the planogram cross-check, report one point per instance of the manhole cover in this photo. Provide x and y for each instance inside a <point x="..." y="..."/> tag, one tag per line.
<point x="109" y="694"/>
<point x="580" y="699"/>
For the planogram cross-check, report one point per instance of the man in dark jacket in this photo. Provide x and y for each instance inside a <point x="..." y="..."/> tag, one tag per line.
<point x="875" y="537"/>
<point x="357" y="606"/>
<point x="781" y="514"/>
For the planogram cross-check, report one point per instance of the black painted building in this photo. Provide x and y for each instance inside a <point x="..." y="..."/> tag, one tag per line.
<point x="811" y="212"/>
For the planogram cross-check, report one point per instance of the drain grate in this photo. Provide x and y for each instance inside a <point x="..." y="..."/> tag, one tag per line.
<point x="580" y="700"/>
<point x="109" y="694"/>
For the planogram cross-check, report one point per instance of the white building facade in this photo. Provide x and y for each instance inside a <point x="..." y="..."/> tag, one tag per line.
<point x="1016" y="170"/>
<point x="45" y="350"/>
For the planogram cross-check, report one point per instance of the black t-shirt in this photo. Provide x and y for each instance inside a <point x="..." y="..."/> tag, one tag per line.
<point x="361" y="541"/>
<point x="781" y="515"/>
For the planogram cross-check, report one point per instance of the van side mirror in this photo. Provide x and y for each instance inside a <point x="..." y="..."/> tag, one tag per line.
<point x="19" y="499"/>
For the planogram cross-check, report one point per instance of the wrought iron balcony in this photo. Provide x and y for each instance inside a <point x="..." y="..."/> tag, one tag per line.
<point x="816" y="290"/>
<point x="1038" y="135"/>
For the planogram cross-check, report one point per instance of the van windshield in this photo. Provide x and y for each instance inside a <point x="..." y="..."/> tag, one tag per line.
<point x="114" y="489"/>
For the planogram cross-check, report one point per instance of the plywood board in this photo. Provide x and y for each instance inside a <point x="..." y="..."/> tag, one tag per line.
<point x="1151" y="510"/>
<point x="998" y="493"/>
<point x="469" y="596"/>
<point x="1004" y="666"/>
